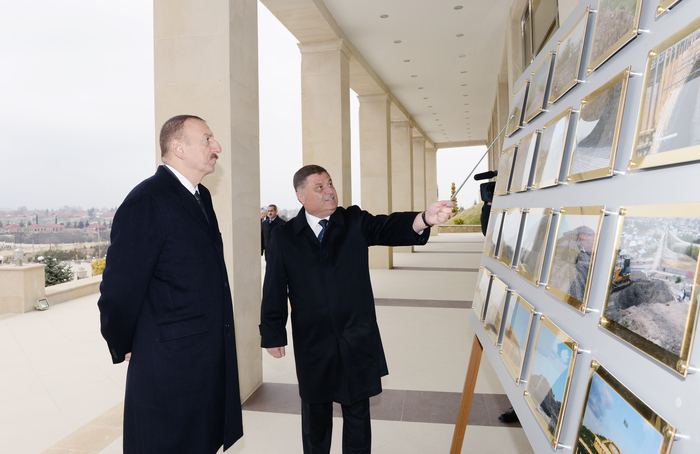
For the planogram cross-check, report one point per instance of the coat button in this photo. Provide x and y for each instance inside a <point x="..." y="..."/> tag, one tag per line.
<point x="225" y="283"/>
<point x="227" y="326"/>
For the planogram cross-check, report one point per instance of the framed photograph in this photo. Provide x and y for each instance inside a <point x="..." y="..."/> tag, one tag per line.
<point x="665" y="5"/>
<point x="509" y="236"/>
<point x="534" y="243"/>
<point x="516" y="332"/>
<point x="616" y="24"/>
<point x="548" y="385"/>
<point x="551" y="152"/>
<point x="493" y="318"/>
<point x="667" y="130"/>
<point x="493" y="232"/>
<point x="576" y="241"/>
<point x="615" y="420"/>
<point x="523" y="162"/>
<point x="481" y="294"/>
<point x="652" y="298"/>
<point x="598" y="130"/>
<point x="538" y="86"/>
<point x="568" y="64"/>
<point x="515" y="117"/>
<point x="505" y="168"/>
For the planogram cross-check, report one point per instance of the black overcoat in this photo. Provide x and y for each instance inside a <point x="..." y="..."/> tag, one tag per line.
<point x="337" y="347"/>
<point x="165" y="298"/>
<point x="266" y="228"/>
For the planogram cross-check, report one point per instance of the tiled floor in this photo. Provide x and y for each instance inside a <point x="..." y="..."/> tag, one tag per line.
<point x="59" y="392"/>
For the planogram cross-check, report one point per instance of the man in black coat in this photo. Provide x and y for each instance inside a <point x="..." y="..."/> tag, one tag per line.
<point x="319" y="260"/>
<point x="166" y="305"/>
<point x="267" y="225"/>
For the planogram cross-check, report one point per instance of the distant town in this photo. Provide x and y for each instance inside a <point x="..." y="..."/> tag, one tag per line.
<point x="73" y="233"/>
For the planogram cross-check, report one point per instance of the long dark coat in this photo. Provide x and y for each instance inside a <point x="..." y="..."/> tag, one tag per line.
<point x="166" y="299"/>
<point x="337" y="347"/>
<point x="266" y="228"/>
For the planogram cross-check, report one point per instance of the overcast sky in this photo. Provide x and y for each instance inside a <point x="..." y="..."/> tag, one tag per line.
<point x="77" y="113"/>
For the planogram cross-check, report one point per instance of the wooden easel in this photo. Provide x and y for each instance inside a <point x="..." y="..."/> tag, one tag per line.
<point x="467" y="396"/>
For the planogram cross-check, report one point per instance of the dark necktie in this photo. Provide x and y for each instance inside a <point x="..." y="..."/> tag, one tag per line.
<point x="324" y="223"/>
<point x="201" y="205"/>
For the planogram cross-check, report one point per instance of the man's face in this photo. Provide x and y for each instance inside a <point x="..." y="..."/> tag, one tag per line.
<point x="318" y="195"/>
<point x="263" y="213"/>
<point x="201" y="150"/>
<point x="271" y="212"/>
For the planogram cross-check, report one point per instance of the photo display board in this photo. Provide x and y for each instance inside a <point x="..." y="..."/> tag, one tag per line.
<point x="591" y="325"/>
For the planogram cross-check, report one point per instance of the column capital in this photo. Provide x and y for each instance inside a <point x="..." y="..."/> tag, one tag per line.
<point x="327" y="46"/>
<point x="374" y="98"/>
<point x="405" y="123"/>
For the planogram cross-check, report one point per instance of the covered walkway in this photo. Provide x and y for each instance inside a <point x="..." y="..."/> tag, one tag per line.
<point x="59" y="392"/>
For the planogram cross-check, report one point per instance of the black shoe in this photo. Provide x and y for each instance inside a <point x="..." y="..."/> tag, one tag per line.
<point x="508" y="416"/>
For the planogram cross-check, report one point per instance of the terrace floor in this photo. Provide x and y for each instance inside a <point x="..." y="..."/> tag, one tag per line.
<point x="60" y="392"/>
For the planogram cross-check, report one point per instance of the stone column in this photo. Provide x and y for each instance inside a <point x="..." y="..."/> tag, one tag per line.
<point x="431" y="188"/>
<point x="402" y="170"/>
<point x="325" y="111"/>
<point x="206" y="64"/>
<point x="419" y="173"/>
<point x="20" y="288"/>
<point x="375" y="166"/>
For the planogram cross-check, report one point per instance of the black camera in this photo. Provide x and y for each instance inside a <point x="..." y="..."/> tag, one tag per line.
<point x="486" y="190"/>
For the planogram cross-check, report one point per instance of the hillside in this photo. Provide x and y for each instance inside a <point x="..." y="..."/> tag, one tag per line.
<point x="471" y="216"/>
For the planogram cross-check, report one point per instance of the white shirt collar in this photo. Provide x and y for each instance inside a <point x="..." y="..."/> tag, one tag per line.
<point x="313" y="222"/>
<point x="185" y="182"/>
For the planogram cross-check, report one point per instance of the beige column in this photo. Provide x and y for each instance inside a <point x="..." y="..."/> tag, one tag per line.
<point x="212" y="71"/>
<point x="325" y="111"/>
<point x="375" y="167"/>
<point x="20" y="288"/>
<point x="402" y="170"/>
<point x="431" y="188"/>
<point x="419" y="173"/>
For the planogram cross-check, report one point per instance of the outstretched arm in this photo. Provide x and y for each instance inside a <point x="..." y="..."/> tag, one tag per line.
<point x="436" y="214"/>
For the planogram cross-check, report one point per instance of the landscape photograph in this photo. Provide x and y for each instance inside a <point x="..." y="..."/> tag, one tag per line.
<point x="515" y="335"/>
<point x="551" y="152"/>
<point x="493" y="230"/>
<point x="568" y="65"/>
<point x="573" y="256"/>
<point x="615" y="21"/>
<point x="494" y="309"/>
<point x="612" y="426"/>
<point x="597" y="130"/>
<point x="516" y="110"/>
<point x="534" y="243"/>
<point x="509" y="236"/>
<point x="654" y="278"/>
<point x="483" y="280"/>
<point x="523" y="163"/>
<point x="505" y="167"/>
<point x="538" y="86"/>
<point x="670" y="116"/>
<point x="549" y="377"/>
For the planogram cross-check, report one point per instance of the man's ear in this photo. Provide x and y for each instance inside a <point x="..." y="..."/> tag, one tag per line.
<point x="301" y="197"/>
<point x="177" y="149"/>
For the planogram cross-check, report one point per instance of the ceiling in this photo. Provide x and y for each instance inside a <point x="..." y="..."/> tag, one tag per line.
<point x="439" y="60"/>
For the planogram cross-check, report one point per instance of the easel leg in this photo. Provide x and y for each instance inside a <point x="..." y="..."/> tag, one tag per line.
<point x="467" y="396"/>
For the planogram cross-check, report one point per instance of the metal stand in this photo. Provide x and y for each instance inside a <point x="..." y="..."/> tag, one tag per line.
<point x="467" y="396"/>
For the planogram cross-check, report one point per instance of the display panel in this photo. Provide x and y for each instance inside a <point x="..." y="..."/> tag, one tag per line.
<point x="515" y="117"/>
<point x="667" y="131"/>
<point x="481" y="294"/>
<point x="550" y="377"/>
<point x="598" y="130"/>
<point x="568" y="64"/>
<point x="551" y="151"/>
<point x="534" y="243"/>
<point x="523" y="162"/>
<point x="509" y="236"/>
<point x="493" y="319"/>
<point x="505" y="167"/>
<point x="652" y="297"/>
<point x="493" y="232"/>
<point x="616" y="24"/>
<point x="576" y="241"/>
<point x="615" y="420"/>
<point x="516" y="333"/>
<point x="538" y="86"/>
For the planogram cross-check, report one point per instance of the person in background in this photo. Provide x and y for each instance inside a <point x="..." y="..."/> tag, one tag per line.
<point x="268" y="225"/>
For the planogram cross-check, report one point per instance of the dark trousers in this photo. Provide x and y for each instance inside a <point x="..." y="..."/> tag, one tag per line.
<point x="317" y="427"/>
